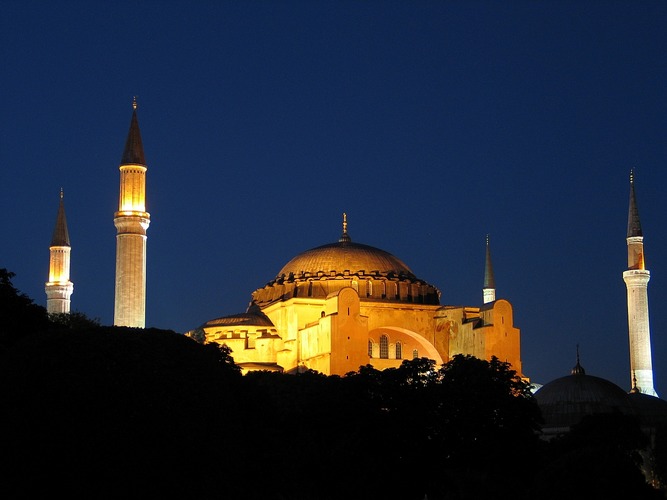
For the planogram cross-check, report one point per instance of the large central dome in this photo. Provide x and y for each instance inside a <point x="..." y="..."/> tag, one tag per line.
<point x="345" y="256"/>
<point x="374" y="273"/>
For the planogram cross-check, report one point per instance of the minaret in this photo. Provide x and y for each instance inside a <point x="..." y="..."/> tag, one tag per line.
<point x="59" y="288"/>
<point x="489" y="290"/>
<point x="131" y="223"/>
<point x="636" y="281"/>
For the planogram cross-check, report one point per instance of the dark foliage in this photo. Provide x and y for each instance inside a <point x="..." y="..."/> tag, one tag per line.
<point x="19" y="315"/>
<point x="598" y="458"/>
<point x="111" y="409"/>
<point x="659" y="456"/>
<point x="72" y="321"/>
<point x="106" y="412"/>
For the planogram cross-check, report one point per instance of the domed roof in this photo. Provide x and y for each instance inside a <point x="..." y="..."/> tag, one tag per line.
<point x="566" y="400"/>
<point x="253" y="318"/>
<point x="375" y="274"/>
<point x="344" y="255"/>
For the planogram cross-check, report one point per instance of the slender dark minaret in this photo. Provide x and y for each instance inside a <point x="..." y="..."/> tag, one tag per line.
<point x="636" y="281"/>
<point x="131" y="221"/>
<point x="489" y="290"/>
<point x="59" y="288"/>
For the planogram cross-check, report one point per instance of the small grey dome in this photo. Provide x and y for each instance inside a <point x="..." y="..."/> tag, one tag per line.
<point x="566" y="400"/>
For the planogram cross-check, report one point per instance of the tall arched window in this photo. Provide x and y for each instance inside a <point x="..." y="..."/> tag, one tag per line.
<point x="370" y="348"/>
<point x="415" y="354"/>
<point x="399" y="350"/>
<point x="384" y="346"/>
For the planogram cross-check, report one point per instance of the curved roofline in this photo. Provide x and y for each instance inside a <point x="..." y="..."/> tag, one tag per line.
<point x="402" y="269"/>
<point x="375" y="273"/>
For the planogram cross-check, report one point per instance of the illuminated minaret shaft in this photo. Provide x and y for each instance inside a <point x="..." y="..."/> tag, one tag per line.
<point x="489" y="289"/>
<point x="131" y="223"/>
<point x="636" y="281"/>
<point x="59" y="288"/>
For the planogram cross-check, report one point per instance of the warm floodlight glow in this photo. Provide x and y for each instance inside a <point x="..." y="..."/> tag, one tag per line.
<point x="132" y="188"/>
<point x="131" y="221"/>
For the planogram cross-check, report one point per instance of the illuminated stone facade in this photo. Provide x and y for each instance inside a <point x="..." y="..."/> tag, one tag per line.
<point x="131" y="221"/>
<point x="59" y="288"/>
<point x="636" y="279"/>
<point x="343" y="305"/>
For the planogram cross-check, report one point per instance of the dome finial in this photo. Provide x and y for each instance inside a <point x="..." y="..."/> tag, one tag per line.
<point x="489" y="287"/>
<point x="62" y="194"/>
<point x="134" y="102"/>
<point x="344" y="236"/>
<point x="578" y="369"/>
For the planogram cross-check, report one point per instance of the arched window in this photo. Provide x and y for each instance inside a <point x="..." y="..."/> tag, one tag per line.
<point x="370" y="348"/>
<point x="384" y="347"/>
<point x="415" y="354"/>
<point x="399" y="350"/>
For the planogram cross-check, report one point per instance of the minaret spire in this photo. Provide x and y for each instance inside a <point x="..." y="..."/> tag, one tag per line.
<point x="634" y="224"/>
<point x="59" y="288"/>
<point x="60" y="233"/>
<point x="133" y="154"/>
<point x="131" y="221"/>
<point x="636" y="279"/>
<point x="489" y="289"/>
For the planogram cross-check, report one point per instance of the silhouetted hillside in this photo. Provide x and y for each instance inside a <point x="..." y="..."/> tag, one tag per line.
<point x="113" y="408"/>
<point x="106" y="412"/>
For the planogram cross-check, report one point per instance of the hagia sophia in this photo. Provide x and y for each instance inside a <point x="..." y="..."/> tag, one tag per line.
<point x="345" y="304"/>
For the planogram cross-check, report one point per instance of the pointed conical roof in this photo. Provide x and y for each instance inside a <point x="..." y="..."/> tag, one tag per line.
<point x="634" y="225"/>
<point x="134" y="149"/>
<point x="60" y="234"/>
<point x="489" y="281"/>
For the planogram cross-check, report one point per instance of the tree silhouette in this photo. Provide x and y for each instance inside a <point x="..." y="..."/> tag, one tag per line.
<point x="111" y="412"/>
<point x="598" y="458"/>
<point x="19" y="315"/>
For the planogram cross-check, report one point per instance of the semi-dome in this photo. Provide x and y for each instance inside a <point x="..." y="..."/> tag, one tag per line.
<point x="373" y="272"/>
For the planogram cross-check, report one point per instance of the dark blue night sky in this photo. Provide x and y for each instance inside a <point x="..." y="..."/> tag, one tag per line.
<point x="430" y="123"/>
